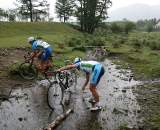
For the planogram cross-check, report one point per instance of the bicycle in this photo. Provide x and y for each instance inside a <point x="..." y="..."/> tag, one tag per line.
<point x="73" y="73"/>
<point x="59" y="88"/>
<point x="28" y="69"/>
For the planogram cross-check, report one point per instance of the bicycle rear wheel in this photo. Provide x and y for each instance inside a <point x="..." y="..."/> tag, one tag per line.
<point x="54" y="95"/>
<point x="28" y="71"/>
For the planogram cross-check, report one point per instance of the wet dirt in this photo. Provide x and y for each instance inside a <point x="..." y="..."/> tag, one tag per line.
<point x="9" y="56"/>
<point x="28" y="109"/>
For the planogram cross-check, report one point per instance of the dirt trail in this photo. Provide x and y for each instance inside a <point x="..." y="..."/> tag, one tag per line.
<point x="8" y="57"/>
<point x="30" y="111"/>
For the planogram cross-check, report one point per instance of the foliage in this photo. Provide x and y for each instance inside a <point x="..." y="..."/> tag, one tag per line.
<point x="146" y="25"/>
<point x="91" y="12"/>
<point x="74" y="42"/>
<point x="115" y="28"/>
<point x="128" y="26"/>
<point x="154" y="45"/>
<point x="33" y="9"/>
<point x="95" y="41"/>
<point x="3" y="14"/>
<point x="149" y="27"/>
<point x="64" y="9"/>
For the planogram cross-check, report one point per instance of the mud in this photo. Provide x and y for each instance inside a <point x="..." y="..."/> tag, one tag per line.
<point x="9" y="56"/>
<point x="28" y="109"/>
<point x="148" y="98"/>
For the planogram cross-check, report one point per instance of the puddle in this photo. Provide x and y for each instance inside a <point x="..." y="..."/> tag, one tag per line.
<point x="30" y="111"/>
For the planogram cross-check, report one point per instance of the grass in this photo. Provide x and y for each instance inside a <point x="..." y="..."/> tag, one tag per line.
<point x="144" y="61"/>
<point x="15" y="34"/>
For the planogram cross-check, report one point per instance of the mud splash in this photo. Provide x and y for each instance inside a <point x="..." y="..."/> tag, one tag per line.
<point x="30" y="110"/>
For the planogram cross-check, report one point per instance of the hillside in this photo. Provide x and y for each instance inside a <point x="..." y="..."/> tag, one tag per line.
<point x="15" y="34"/>
<point x="135" y="12"/>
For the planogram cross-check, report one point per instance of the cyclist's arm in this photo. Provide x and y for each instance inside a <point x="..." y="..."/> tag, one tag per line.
<point x="68" y="67"/>
<point x="86" y="82"/>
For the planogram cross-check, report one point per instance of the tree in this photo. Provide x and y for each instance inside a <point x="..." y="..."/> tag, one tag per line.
<point x="115" y="28"/>
<point x="91" y="13"/>
<point x="149" y="27"/>
<point x="11" y="14"/>
<point x="128" y="26"/>
<point x="33" y="9"/>
<point x="3" y="14"/>
<point x="64" y="9"/>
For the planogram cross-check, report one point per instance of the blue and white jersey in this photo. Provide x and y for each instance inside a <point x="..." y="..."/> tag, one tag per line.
<point x="39" y="44"/>
<point x="87" y="66"/>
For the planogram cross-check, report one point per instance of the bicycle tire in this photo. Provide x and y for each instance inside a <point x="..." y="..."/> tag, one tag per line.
<point x="28" y="71"/>
<point x="54" y="95"/>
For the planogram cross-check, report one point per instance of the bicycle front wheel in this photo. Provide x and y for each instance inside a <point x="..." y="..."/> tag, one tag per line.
<point x="72" y="79"/>
<point x="28" y="71"/>
<point x="54" y="95"/>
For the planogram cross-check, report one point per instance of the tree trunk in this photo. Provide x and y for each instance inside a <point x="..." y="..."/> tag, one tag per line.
<point x="31" y="10"/>
<point x="58" y="120"/>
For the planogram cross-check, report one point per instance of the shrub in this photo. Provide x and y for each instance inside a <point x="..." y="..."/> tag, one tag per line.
<point x="115" y="28"/>
<point x="74" y="41"/>
<point x="154" y="45"/>
<point x="95" y="41"/>
<point x="136" y="43"/>
<point x="116" y="44"/>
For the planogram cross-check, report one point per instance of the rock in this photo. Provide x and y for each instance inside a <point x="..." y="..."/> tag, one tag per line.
<point x="20" y="119"/>
<point x="116" y="111"/>
<point x="124" y="90"/>
<point x="145" y="99"/>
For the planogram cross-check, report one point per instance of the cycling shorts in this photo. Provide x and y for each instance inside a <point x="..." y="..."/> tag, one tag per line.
<point x="46" y="54"/>
<point x="97" y="73"/>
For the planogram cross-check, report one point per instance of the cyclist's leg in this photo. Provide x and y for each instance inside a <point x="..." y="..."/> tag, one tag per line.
<point x="49" y="58"/>
<point x="45" y="62"/>
<point x="96" y="76"/>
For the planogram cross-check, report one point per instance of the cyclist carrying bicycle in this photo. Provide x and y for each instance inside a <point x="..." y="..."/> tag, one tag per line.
<point x="94" y="71"/>
<point x="43" y="51"/>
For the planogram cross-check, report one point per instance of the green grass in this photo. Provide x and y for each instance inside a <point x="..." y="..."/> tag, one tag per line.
<point x="144" y="61"/>
<point x="13" y="34"/>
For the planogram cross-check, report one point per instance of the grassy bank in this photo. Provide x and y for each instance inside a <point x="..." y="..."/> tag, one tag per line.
<point x="139" y="51"/>
<point x="15" y="34"/>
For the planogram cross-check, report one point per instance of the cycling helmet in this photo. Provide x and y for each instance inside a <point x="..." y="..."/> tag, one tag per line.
<point x="31" y="39"/>
<point x="76" y="60"/>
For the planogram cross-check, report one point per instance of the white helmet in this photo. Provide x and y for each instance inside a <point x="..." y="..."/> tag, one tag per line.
<point x="76" y="60"/>
<point x="30" y="39"/>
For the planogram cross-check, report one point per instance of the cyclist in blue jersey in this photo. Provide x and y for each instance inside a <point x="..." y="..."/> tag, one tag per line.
<point x="94" y="71"/>
<point x="42" y="50"/>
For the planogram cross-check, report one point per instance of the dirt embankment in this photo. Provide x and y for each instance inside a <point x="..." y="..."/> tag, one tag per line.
<point x="7" y="58"/>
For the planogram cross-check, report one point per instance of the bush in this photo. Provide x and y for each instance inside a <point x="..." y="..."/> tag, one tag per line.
<point x="95" y="41"/>
<point x="154" y="45"/>
<point x="13" y="69"/>
<point x="115" y="28"/>
<point x="116" y="44"/>
<point x="137" y="43"/>
<point x="74" y="41"/>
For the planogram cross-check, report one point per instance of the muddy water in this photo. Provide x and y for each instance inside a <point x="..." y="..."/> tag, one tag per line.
<point x="29" y="111"/>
